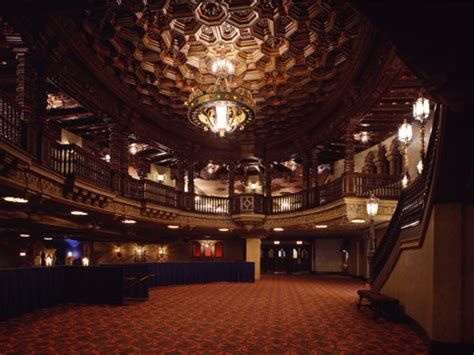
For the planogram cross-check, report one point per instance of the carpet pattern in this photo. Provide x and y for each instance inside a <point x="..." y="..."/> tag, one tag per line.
<point x="279" y="314"/>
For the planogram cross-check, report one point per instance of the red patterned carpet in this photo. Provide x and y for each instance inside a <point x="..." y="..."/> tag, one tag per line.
<point x="279" y="314"/>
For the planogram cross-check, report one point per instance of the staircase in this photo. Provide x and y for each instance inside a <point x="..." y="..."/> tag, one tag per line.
<point x="410" y="220"/>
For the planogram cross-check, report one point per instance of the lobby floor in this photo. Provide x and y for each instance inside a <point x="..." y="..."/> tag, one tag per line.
<point x="292" y="314"/>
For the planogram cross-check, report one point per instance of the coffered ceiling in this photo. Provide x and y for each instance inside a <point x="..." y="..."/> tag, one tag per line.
<point x="295" y="56"/>
<point x="314" y="67"/>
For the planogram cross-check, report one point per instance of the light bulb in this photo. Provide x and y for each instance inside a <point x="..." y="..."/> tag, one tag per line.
<point x="221" y="118"/>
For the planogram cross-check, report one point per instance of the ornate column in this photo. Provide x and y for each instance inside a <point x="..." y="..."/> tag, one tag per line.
<point x="394" y="158"/>
<point x="349" y="152"/>
<point x="231" y="176"/>
<point x="349" y="186"/>
<point x="314" y="176"/>
<point x="306" y="178"/>
<point x="381" y="160"/>
<point x="190" y="194"/>
<point x="180" y="176"/>
<point x="32" y="98"/>
<point x="307" y="171"/>
<point x="119" y="157"/>
<point x="268" y="187"/>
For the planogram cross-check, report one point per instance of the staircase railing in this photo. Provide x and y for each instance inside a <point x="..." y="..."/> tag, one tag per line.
<point x="411" y="209"/>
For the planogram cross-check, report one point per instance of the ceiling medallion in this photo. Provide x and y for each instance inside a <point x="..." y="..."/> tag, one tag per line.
<point x="221" y="109"/>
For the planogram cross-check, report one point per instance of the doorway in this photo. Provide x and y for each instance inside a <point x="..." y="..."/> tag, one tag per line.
<point x="286" y="259"/>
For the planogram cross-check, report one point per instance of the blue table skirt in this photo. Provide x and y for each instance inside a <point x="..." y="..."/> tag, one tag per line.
<point x="133" y="288"/>
<point x="192" y="272"/>
<point x="27" y="289"/>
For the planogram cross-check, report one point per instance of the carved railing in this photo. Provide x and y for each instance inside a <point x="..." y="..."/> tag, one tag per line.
<point x="12" y="127"/>
<point x="386" y="187"/>
<point x="134" y="188"/>
<point x="248" y="203"/>
<point x="289" y="203"/>
<point x="160" y="194"/>
<point x="331" y="191"/>
<point x="411" y="207"/>
<point x="73" y="161"/>
<point x="354" y="184"/>
<point x="211" y="204"/>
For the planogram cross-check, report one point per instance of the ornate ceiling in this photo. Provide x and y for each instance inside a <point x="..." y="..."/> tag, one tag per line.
<point x="295" y="56"/>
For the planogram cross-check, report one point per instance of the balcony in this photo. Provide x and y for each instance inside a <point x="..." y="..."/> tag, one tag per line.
<point x="87" y="179"/>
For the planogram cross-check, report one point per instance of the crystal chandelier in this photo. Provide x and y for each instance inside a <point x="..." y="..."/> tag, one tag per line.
<point x="221" y="109"/>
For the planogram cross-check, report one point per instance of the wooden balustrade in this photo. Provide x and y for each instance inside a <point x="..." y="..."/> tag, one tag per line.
<point x="161" y="194"/>
<point x="211" y="204"/>
<point x="12" y="127"/>
<point x="386" y="187"/>
<point x="331" y="191"/>
<point x="248" y="203"/>
<point x="73" y="161"/>
<point x="289" y="203"/>
<point x="134" y="188"/>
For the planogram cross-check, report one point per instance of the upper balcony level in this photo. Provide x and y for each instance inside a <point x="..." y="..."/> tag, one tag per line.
<point x="37" y="167"/>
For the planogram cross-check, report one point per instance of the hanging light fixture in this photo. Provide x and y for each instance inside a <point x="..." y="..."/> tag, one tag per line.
<point x="421" y="113"/>
<point x="221" y="109"/>
<point x="421" y="109"/>
<point x="405" y="134"/>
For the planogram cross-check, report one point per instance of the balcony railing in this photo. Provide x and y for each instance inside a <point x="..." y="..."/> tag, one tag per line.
<point x="73" y="161"/>
<point x="211" y="204"/>
<point x="11" y="124"/>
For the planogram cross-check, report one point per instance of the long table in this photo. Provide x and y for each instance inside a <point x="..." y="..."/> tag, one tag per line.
<point x="181" y="273"/>
<point x="24" y="290"/>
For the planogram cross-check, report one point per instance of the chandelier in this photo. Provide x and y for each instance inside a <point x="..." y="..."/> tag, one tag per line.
<point x="221" y="109"/>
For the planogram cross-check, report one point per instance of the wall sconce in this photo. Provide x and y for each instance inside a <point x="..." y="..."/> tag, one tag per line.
<point x="140" y="254"/>
<point x="253" y="186"/>
<point x="85" y="261"/>
<point x="118" y="252"/>
<point x="107" y="158"/>
<point x="49" y="261"/>
<point x="162" y="254"/>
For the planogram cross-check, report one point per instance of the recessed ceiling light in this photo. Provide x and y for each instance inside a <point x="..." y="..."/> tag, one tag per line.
<point x="79" y="213"/>
<point x="321" y="226"/>
<point x="23" y="235"/>
<point x="223" y="229"/>
<point x="15" y="199"/>
<point x="22" y="253"/>
<point x="278" y="229"/>
<point x="358" y="220"/>
<point x="48" y="238"/>
<point x="173" y="226"/>
<point x="129" y="221"/>
<point x="3" y="62"/>
<point x="276" y="242"/>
